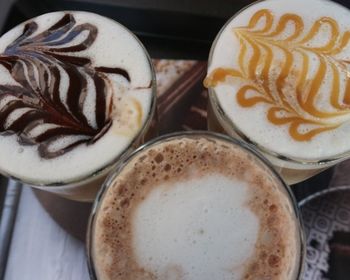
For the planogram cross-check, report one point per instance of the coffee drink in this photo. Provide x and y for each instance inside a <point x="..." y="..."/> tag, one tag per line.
<point x="76" y="91"/>
<point x="278" y="75"/>
<point x="195" y="206"/>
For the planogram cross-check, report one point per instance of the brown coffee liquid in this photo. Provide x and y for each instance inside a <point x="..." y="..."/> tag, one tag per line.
<point x="149" y="224"/>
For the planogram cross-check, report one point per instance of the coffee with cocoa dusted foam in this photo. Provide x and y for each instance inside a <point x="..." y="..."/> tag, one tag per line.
<point x="75" y="91"/>
<point x="195" y="207"/>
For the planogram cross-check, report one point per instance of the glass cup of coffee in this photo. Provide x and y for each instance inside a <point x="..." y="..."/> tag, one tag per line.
<point x="278" y="78"/>
<point x="77" y="92"/>
<point x="195" y="205"/>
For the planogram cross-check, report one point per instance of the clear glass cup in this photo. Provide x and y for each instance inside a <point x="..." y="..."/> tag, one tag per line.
<point x="194" y="135"/>
<point x="85" y="188"/>
<point x="292" y="169"/>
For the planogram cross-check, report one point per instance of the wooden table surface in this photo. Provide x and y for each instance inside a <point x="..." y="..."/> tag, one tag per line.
<point x="40" y="249"/>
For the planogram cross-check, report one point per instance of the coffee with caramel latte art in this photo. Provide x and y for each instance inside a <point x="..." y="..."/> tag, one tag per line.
<point x="75" y="91"/>
<point x="280" y="73"/>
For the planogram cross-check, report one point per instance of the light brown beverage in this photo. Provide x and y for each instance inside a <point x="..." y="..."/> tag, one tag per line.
<point x="195" y="206"/>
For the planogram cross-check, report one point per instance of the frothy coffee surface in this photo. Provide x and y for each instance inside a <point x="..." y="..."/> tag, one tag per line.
<point x="195" y="208"/>
<point x="281" y="73"/>
<point x="75" y="90"/>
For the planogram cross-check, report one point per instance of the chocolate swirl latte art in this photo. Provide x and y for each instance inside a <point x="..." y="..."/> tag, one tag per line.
<point x="37" y="63"/>
<point x="288" y="70"/>
<point x="73" y="84"/>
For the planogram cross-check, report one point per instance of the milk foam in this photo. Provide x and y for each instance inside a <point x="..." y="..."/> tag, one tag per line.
<point x="195" y="209"/>
<point x="252" y="121"/>
<point x="190" y="229"/>
<point x="114" y="47"/>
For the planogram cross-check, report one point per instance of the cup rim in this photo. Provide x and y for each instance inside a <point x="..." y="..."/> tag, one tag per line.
<point x="226" y="122"/>
<point x="146" y="125"/>
<point x="193" y="134"/>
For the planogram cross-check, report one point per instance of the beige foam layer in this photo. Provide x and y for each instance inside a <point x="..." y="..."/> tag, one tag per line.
<point x="276" y="248"/>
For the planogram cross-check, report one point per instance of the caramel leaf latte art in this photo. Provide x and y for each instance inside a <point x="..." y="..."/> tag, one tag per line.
<point x="37" y="108"/>
<point x="283" y="82"/>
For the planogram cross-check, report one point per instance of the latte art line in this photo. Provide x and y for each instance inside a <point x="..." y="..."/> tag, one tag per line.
<point x="275" y="61"/>
<point x="36" y="109"/>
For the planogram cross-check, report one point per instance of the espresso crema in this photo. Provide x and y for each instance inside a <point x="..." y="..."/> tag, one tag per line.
<point x="195" y="208"/>
<point x="75" y="90"/>
<point x="280" y="72"/>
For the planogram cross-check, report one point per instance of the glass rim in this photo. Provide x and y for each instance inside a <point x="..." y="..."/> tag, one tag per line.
<point x="142" y="131"/>
<point x="192" y="134"/>
<point x="225" y="121"/>
<point x="306" y="200"/>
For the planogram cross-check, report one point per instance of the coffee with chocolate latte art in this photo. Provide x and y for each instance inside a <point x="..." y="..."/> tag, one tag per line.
<point x="195" y="207"/>
<point x="279" y="72"/>
<point x="76" y="89"/>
